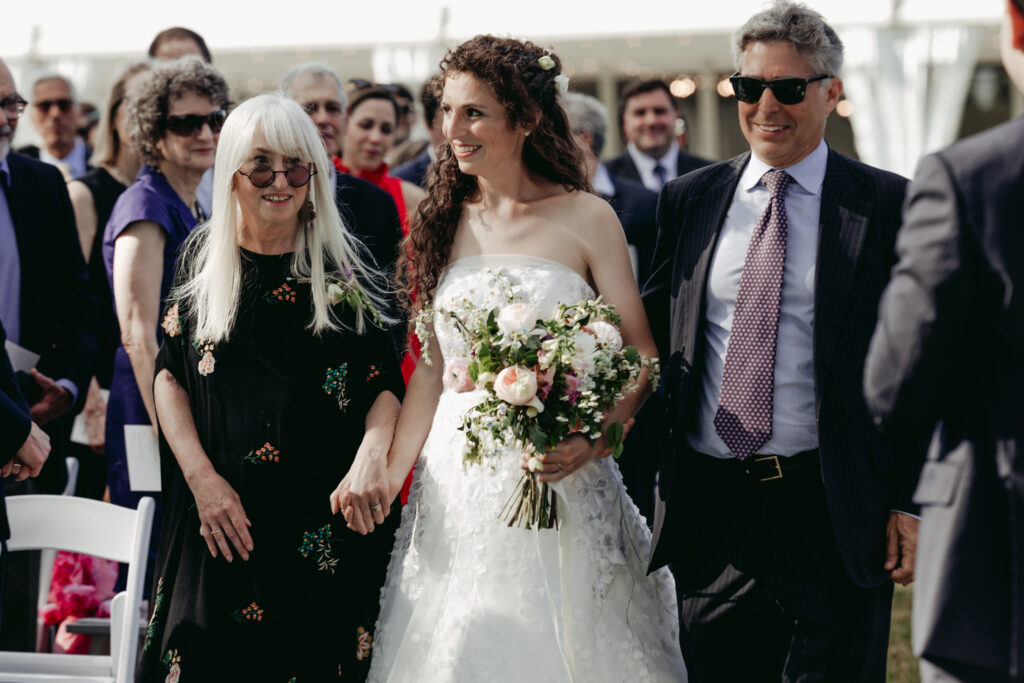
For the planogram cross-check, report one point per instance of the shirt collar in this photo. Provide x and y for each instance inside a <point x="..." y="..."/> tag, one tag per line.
<point x="668" y="161"/>
<point x="602" y="181"/>
<point x="6" y="169"/>
<point x="808" y="173"/>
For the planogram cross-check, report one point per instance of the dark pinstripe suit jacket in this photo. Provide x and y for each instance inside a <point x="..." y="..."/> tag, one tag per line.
<point x="860" y="214"/>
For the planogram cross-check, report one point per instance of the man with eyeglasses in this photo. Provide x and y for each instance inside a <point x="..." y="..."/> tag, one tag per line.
<point x="53" y="111"/>
<point x="781" y="509"/>
<point x="46" y="308"/>
<point x="945" y="361"/>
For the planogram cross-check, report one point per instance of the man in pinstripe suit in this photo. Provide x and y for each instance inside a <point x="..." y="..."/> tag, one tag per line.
<point x="777" y="497"/>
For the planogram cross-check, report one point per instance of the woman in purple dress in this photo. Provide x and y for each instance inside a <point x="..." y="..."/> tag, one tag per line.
<point x="175" y="115"/>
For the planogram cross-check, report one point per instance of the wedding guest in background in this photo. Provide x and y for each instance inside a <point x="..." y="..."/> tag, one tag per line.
<point x="53" y="113"/>
<point x="92" y="197"/>
<point x="960" y="257"/>
<point x="47" y="308"/>
<point x="177" y="42"/>
<point x="415" y="170"/>
<point x="368" y="211"/>
<point x="274" y="385"/>
<point x="635" y="207"/>
<point x="405" y="147"/>
<point x="371" y="120"/>
<point x="783" y="512"/>
<point x="85" y="124"/>
<point x="647" y="116"/>
<point x="174" y="117"/>
<point x="320" y="93"/>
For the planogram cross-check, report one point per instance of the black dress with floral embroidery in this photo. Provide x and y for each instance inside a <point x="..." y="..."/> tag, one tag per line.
<point x="281" y="413"/>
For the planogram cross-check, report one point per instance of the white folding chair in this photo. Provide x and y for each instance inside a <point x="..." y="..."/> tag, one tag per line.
<point x="46" y="558"/>
<point x="84" y="526"/>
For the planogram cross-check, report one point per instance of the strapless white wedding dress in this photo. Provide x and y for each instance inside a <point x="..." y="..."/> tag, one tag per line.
<point x="467" y="598"/>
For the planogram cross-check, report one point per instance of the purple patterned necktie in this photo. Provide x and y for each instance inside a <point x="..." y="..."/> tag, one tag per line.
<point x="744" y="417"/>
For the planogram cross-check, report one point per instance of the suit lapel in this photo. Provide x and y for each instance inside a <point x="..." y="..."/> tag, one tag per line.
<point x="19" y="201"/>
<point x="843" y="223"/>
<point x="700" y="228"/>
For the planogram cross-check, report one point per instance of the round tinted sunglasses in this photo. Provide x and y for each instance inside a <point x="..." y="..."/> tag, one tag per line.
<point x="786" y="90"/>
<point x="190" y="124"/>
<point x="264" y="175"/>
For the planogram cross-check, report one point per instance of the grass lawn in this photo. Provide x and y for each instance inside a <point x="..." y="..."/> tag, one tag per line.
<point x="902" y="663"/>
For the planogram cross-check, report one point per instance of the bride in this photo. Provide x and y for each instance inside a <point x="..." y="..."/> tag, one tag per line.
<point x="467" y="598"/>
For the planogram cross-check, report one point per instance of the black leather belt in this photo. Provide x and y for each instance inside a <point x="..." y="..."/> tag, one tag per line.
<point x="758" y="467"/>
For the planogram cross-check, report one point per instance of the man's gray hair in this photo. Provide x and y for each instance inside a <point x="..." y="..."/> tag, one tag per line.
<point x="313" y="71"/>
<point x="798" y="25"/>
<point x="586" y="113"/>
<point x="58" y="77"/>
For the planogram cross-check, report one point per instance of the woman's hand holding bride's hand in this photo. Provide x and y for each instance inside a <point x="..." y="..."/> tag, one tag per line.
<point x="363" y="496"/>
<point x="221" y="516"/>
<point x="572" y="454"/>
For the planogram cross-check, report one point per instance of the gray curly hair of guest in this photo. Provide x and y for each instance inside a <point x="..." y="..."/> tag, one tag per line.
<point x="151" y="99"/>
<point x="588" y="115"/>
<point x="314" y="71"/>
<point x="798" y="25"/>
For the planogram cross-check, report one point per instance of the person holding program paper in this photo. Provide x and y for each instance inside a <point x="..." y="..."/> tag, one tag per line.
<point x="175" y="113"/>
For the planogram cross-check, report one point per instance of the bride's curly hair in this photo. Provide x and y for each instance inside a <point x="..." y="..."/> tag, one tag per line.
<point x="515" y="71"/>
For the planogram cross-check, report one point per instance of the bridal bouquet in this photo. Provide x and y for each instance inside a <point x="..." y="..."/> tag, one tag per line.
<point x="545" y="379"/>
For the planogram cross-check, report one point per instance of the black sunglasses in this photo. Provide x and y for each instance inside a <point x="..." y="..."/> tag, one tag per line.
<point x="786" y="90"/>
<point x="190" y="124"/>
<point x="64" y="104"/>
<point x="263" y="175"/>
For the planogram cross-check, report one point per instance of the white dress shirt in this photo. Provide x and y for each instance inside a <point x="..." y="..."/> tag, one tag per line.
<point x="794" y="428"/>
<point x="76" y="161"/>
<point x="645" y="165"/>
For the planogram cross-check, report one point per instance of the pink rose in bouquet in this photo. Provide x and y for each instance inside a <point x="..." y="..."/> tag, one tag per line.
<point x="456" y="376"/>
<point x="518" y="386"/>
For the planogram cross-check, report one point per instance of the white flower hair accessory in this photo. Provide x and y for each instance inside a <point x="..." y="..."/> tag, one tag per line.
<point x="562" y="82"/>
<point x="546" y="62"/>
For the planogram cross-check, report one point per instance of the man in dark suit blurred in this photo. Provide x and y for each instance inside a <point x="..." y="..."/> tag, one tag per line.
<point x="780" y="507"/>
<point x="949" y="353"/>
<point x="635" y="206"/>
<point x="45" y="303"/>
<point x="647" y="119"/>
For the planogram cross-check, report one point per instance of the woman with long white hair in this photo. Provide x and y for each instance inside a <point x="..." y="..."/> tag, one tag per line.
<point x="275" y="382"/>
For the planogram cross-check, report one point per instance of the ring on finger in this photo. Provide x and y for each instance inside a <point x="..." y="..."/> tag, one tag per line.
<point x="375" y="507"/>
<point x="560" y="468"/>
<point x="15" y="467"/>
<point x="216" y="533"/>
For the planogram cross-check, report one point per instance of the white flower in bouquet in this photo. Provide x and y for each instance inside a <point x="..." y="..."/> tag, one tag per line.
<point x="456" y="376"/>
<point x="584" y="350"/>
<point x="485" y="378"/>
<point x="515" y="318"/>
<point x="518" y="386"/>
<point x="606" y="334"/>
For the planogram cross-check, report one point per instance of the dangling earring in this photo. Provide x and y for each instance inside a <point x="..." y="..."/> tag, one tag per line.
<point x="310" y="211"/>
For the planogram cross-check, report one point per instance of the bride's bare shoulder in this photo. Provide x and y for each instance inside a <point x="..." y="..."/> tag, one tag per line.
<point x="589" y="217"/>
